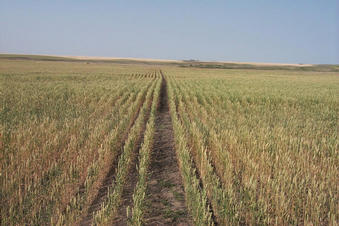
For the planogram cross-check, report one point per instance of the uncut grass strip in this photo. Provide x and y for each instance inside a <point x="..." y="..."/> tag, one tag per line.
<point x="110" y="206"/>
<point x="220" y="202"/>
<point x="106" y="141"/>
<point x="74" y="167"/>
<point x="35" y="190"/>
<point x="239" y="187"/>
<point x="103" y="127"/>
<point x="91" y="184"/>
<point x="264" y="168"/>
<point x="213" y="141"/>
<point x="26" y="184"/>
<point x="208" y="122"/>
<point x="121" y="135"/>
<point x="123" y="215"/>
<point x="55" y="156"/>
<point x="195" y="196"/>
<point x="139" y="194"/>
<point x="216" y="212"/>
<point x="220" y="199"/>
<point x="110" y="174"/>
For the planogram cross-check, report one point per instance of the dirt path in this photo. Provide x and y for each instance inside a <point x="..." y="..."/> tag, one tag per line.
<point x="165" y="202"/>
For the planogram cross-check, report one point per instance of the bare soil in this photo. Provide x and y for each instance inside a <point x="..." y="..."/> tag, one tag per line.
<point x="165" y="199"/>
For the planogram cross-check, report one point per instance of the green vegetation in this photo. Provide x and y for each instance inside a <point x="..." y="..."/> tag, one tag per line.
<point x="62" y="126"/>
<point x="110" y="207"/>
<point x="264" y="144"/>
<point x="254" y="147"/>
<point x="144" y="160"/>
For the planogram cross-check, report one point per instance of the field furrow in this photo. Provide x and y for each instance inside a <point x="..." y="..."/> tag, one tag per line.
<point x="165" y="198"/>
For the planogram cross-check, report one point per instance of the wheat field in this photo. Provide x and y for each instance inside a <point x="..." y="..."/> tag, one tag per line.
<point x="253" y="146"/>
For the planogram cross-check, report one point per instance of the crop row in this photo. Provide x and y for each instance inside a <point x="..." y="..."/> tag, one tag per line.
<point x="196" y="197"/>
<point x="57" y="141"/>
<point x="130" y="151"/>
<point x="138" y="210"/>
<point x="258" y="159"/>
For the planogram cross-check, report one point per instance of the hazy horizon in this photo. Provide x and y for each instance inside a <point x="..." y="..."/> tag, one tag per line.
<point x="264" y="31"/>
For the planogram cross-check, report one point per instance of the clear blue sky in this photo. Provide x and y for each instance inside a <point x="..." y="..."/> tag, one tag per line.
<point x="291" y="31"/>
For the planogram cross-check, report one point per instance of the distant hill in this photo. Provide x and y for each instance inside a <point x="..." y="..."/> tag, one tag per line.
<point x="180" y="63"/>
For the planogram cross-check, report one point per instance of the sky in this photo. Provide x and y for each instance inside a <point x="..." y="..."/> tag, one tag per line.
<point x="282" y="31"/>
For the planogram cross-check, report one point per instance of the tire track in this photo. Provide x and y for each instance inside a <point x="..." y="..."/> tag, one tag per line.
<point x="165" y="200"/>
